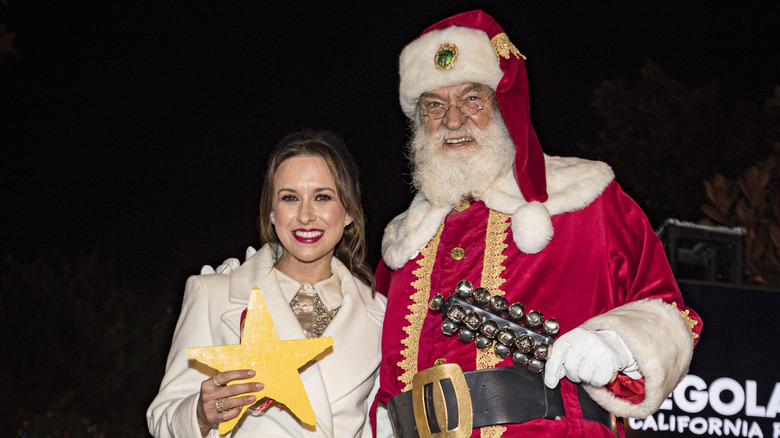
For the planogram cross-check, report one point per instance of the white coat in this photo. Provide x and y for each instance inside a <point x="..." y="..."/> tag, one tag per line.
<point x="340" y="386"/>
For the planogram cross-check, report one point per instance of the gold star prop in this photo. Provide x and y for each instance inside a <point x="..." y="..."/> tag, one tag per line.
<point x="275" y="362"/>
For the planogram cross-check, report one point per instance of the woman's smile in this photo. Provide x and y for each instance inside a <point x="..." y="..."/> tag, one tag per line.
<point x="308" y="236"/>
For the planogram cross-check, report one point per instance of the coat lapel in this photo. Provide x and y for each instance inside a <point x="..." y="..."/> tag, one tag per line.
<point x="357" y="324"/>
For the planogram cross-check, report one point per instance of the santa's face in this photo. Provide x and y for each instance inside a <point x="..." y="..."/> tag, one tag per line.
<point x="468" y="104"/>
<point x="459" y="156"/>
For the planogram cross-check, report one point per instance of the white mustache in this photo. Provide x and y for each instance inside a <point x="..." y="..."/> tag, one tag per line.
<point x="446" y="176"/>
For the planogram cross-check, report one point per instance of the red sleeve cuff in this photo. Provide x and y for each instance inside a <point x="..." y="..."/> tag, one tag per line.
<point x="628" y="389"/>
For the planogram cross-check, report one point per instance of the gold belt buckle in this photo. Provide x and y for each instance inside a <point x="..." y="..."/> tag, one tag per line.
<point x="434" y="375"/>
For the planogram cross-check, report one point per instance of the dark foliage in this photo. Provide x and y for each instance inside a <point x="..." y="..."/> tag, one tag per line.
<point x="663" y="140"/>
<point x="86" y="352"/>
<point x="752" y="201"/>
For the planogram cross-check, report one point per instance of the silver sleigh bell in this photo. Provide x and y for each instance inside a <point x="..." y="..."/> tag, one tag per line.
<point x="474" y="315"/>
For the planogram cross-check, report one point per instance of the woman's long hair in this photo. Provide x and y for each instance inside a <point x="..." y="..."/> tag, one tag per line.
<point x="351" y="249"/>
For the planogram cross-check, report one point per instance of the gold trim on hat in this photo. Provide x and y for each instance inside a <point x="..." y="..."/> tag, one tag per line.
<point x="446" y="56"/>
<point x="503" y="47"/>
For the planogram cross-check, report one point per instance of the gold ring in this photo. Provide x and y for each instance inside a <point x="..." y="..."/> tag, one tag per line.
<point x="220" y="404"/>
<point x="217" y="384"/>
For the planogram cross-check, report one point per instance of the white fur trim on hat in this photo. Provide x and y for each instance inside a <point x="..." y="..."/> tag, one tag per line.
<point x="532" y="227"/>
<point x="477" y="62"/>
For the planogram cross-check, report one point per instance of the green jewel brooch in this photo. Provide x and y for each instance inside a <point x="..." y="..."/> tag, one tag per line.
<point x="446" y="56"/>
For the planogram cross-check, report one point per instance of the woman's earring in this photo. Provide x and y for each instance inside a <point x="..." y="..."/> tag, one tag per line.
<point x="348" y="224"/>
<point x="273" y="219"/>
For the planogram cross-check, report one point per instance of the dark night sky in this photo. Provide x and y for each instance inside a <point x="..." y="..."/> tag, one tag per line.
<point x="140" y="129"/>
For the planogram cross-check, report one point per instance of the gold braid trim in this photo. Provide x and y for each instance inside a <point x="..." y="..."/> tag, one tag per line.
<point x="418" y="309"/>
<point x="492" y="431"/>
<point x="503" y="47"/>
<point x="690" y="322"/>
<point x="492" y="268"/>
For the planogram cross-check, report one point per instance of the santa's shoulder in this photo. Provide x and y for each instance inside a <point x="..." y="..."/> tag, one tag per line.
<point x="573" y="183"/>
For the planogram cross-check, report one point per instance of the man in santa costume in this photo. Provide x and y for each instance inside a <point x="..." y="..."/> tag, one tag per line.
<point x="556" y="234"/>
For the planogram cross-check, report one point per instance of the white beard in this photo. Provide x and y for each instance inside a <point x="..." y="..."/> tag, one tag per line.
<point x="448" y="176"/>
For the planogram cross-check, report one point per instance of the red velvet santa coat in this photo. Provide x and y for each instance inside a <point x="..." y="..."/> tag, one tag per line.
<point x="604" y="268"/>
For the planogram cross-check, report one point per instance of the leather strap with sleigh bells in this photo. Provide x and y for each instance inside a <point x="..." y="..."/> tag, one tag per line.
<point x="474" y="315"/>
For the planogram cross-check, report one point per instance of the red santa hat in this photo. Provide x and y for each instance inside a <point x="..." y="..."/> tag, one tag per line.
<point x="472" y="47"/>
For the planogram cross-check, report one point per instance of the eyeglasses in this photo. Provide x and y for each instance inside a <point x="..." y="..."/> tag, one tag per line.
<point x="437" y="111"/>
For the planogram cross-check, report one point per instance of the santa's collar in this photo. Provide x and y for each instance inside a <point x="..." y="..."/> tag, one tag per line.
<point x="572" y="184"/>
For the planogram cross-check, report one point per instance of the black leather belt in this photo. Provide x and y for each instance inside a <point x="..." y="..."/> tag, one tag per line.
<point x="503" y="395"/>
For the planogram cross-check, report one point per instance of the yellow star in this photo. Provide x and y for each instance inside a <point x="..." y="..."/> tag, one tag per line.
<point x="275" y="362"/>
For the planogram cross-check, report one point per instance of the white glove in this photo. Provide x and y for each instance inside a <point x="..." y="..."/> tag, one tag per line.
<point x="229" y="265"/>
<point x="207" y="269"/>
<point x="250" y="251"/>
<point x="591" y="357"/>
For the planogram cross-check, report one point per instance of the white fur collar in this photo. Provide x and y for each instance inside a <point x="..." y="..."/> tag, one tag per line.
<point x="572" y="184"/>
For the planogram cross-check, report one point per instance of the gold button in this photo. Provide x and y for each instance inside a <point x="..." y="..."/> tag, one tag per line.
<point x="457" y="253"/>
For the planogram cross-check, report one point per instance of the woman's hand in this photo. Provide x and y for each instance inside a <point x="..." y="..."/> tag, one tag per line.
<point x="218" y="402"/>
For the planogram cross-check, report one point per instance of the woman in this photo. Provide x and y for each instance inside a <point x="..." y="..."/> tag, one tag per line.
<point x="312" y="225"/>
